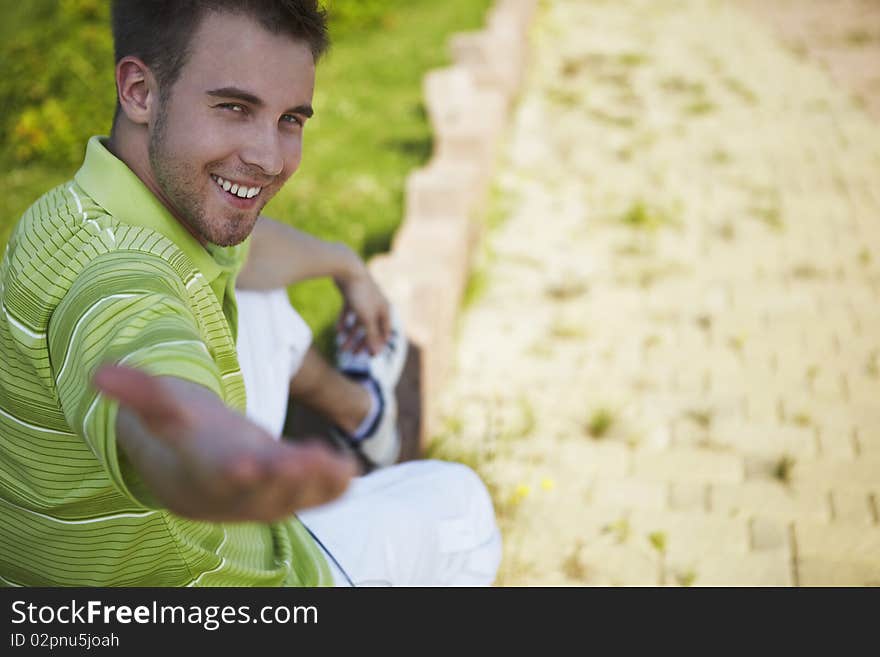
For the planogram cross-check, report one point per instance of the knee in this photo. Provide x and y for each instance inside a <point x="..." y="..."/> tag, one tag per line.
<point x="469" y="489"/>
<point x="471" y="542"/>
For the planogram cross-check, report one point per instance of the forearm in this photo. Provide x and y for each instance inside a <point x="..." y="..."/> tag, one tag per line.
<point x="281" y="255"/>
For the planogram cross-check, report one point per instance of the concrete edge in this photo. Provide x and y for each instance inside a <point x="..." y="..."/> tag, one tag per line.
<point x="426" y="271"/>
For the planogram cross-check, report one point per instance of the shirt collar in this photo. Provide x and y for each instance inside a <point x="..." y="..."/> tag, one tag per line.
<point x="116" y="188"/>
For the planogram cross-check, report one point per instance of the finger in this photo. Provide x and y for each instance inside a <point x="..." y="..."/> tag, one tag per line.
<point x="347" y="326"/>
<point x="343" y="341"/>
<point x="355" y="342"/>
<point x="349" y="341"/>
<point x="141" y="392"/>
<point x="385" y="323"/>
<point x="273" y="483"/>
<point x="342" y="322"/>
<point x="356" y="346"/>
<point x="378" y="333"/>
<point x="374" y="338"/>
<point x="361" y="343"/>
<point x="309" y="475"/>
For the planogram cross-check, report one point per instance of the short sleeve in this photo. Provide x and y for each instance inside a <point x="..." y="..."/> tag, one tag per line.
<point x="130" y="311"/>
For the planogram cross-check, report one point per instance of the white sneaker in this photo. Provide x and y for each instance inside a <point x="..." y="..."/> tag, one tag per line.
<point x="381" y="445"/>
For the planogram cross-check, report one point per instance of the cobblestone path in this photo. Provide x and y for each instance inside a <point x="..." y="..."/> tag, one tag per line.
<point x="670" y="374"/>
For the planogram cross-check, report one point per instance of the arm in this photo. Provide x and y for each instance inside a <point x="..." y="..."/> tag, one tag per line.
<point x="170" y="442"/>
<point x="281" y="255"/>
<point x="203" y="461"/>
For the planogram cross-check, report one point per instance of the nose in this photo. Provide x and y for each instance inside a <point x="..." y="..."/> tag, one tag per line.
<point x="264" y="149"/>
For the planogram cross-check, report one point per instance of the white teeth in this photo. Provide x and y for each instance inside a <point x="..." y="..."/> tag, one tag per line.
<point x="242" y="191"/>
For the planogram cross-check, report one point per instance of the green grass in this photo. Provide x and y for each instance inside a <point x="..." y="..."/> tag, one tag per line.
<point x="527" y="419"/>
<point x="619" y="120"/>
<point x="619" y="529"/>
<point x="737" y="342"/>
<point x="369" y="131"/>
<point x="872" y="368"/>
<point x="642" y="216"/>
<point x="479" y="276"/>
<point x="565" y="290"/>
<point x="600" y="423"/>
<point x="740" y="89"/>
<point x="658" y="541"/>
<point x="769" y="215"/>
<point x="701" y="417"/>
<point x="573" y="566"/>
<point x="564" y="97"/>
<point x="686" y="577"/>
<point x="719" y="156"/>
<point x="680" y="85"/>
<point x="859" y="37"/>
<point x="563" y="329"/>
<point x="726" y="231"/>
<point x="633" y="59"/>
<point x="540" y="349"/>
<point x="807" y="271"/>
<point x="475" y="288"/>
<point x="700" y="107"/>
<point x="782" y="469"/>
<point x="802" y="420"/>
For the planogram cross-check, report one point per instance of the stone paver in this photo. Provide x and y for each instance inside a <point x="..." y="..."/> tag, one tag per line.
<point x="672" y="373"/>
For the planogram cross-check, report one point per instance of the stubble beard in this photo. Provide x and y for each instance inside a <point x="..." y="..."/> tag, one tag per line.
<point x="181" y="186"/>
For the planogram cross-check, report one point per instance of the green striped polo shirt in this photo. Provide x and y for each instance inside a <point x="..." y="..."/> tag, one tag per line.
<point x="98" y="271"/>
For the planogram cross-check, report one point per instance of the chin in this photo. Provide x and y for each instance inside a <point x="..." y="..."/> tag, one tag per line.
<point x="230" y="237"/>
<point x="226" y="239"/>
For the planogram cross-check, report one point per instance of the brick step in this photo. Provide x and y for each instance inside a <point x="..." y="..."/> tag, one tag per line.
<point x="799" y="499"/>
<point x="603" y="544"/>
<point x="837" y="555"/>
<point x="722" y="480"/>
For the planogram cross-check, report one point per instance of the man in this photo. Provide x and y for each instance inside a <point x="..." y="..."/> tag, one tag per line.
<point x="145" y="472"/>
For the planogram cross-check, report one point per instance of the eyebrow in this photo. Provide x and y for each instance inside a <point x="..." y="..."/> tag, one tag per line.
<point x="240" y="94"/>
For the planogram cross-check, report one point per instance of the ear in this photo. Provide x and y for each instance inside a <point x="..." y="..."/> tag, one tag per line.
<point x="137" y="90"/>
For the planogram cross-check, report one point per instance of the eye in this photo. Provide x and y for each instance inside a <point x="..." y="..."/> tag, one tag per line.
<point x="292" y="119"/>
<point x="234" y="107"/>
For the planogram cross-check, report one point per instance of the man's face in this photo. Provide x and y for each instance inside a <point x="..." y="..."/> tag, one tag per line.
<point x="229" y="132"/>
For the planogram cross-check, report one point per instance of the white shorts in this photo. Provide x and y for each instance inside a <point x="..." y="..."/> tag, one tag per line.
<point x="272" y="342"/>
<point x="422" y="523"/>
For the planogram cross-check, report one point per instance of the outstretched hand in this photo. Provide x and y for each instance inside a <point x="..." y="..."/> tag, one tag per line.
<point x="205" y="461"/>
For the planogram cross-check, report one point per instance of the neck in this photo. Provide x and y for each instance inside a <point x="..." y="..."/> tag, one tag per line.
<point x="130" y="143"/>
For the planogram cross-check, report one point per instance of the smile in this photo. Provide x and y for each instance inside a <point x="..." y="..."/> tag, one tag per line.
<point x="239" y="190"/>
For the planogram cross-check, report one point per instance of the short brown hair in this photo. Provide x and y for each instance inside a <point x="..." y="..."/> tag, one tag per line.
<point x="159" y="32"/>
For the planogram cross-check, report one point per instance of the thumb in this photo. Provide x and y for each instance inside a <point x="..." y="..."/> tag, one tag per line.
<point x="142" y="393"/>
